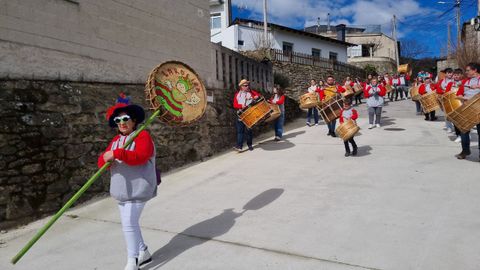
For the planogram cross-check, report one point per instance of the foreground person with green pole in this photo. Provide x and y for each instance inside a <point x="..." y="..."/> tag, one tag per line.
<point x="131" y="137"/>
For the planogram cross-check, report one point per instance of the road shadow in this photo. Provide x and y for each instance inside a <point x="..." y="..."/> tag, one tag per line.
<point x="394" y="129"/>
<point x="207" y="230"/>
<point x="275" y="145"/>
<point x="385" y="122"/>
<point x="364" y="150"/>
<point x="293" y="134"/>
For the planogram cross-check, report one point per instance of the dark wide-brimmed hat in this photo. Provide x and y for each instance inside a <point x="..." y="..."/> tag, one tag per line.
<point x="134" y="111"/>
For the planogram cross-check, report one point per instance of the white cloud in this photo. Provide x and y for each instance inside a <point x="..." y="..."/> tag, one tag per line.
<point x="356" y="12"/>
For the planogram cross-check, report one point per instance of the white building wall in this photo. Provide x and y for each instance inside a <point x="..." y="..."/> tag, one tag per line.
<point x="304" y="44"/>
<point x="108" y="40"/>
<point x="301" y="44"/>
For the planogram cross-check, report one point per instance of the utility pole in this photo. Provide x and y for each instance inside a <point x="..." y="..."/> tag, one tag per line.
<point x="449" y="44"/>
<point x="265" y="34"/>
<point x="397" y="54"/>
<point x="457" y="5"/>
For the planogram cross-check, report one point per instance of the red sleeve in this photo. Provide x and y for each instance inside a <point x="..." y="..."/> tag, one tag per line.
<point x="421" y="89"/>
<point x="407" y="77"/>
<point x="354" y="114"/>
<point x="383" y="90"/>
<point x="449" y="87"/>
<point x="322" y="94"/>
<point x="390" y="81"/>
<point x="236" y="105"/>
<point x="340" y="89"/>
<point x="341" y="117"/>
<point x="352" y="84"/>
<point x="438" y="89"/>
<point x="365" y="92"/>
<point x="141" y="154"/>
<point x="100" y="161"/>
<point x="461" y="90"/>
<point x="281" y="100"/>
<point x="255" y="94"/>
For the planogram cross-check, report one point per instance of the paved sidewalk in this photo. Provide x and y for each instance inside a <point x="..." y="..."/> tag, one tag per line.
<point x="403" y="203"/>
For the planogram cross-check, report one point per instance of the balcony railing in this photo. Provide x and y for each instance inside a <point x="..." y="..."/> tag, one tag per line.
<point x="306" y="59"/>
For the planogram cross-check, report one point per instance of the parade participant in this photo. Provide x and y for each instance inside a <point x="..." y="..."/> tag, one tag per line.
<point x="348" y="82"/>
<point x="374" y="94"/>
<point x="279" y="99"/>
<point x="467" y="90"/>
<point x="133" y="176"/>
<point x="369" y="78"/>
<point x="457" y="81"/>
<point x="442" y="86"/>
<point x="313" y="111"/>
<point x="388" y="83"/>
<point x="243" y="97"/>
<point x="349" y="113"/>
<point x="445" y="82"/>
<point x="425" y="88"/>
<point x="330" y="85"/>
<point x="418" y="105"/>
<point x="358" y="97"/>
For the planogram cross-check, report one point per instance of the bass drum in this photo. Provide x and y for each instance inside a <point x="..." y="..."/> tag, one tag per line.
<point x="255" y="113"/>
<point x="177" y="91"/>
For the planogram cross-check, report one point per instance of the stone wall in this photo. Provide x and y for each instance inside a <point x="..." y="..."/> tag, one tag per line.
<point x="381" y="64"/>
<point x="52" y="133"/>
<point x="300" y="75"/>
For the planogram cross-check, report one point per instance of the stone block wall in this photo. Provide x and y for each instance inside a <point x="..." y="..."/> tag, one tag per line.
<point x="300" y="75"/>
<point x="52" y="132"/>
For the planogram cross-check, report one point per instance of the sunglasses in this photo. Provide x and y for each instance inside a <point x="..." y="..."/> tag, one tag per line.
<point x="123" y="118"/>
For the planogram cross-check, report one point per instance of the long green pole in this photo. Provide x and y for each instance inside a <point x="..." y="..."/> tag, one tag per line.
<point x="78" y="194"/>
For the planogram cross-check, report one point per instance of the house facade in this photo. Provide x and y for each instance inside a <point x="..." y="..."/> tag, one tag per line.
<point x="373" y="47"/>
<point x="246" y="35"/>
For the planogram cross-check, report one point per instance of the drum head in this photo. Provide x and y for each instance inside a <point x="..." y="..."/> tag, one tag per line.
<point x="175" y="89"/>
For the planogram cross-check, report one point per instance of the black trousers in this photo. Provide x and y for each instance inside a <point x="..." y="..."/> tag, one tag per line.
<point x="430" y="116"/>
<point x="347" y="147"/>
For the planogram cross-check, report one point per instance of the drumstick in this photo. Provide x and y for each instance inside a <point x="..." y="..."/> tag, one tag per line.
<point x="79" y="193"/>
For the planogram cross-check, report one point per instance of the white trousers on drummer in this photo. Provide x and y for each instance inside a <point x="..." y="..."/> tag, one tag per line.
<point x="130" y="214"/>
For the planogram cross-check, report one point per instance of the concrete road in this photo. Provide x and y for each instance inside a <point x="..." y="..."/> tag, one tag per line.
<point x="403" y="203"/>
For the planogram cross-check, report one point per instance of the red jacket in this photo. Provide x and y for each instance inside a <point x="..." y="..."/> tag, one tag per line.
<point x="280" y="101"/>
<point x="354" y="115"/>
<point x="239" y="106"/>
<point x="422" y="89"/>
<point x="382" y="93"/>
<point x="139" y="155"/>
<point x="461" y="89"/>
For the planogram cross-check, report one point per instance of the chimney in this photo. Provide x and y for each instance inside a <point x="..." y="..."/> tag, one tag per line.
<point x="318" y="24"/>
<point x="341" y="32"/>
<point x="328" y="23"/>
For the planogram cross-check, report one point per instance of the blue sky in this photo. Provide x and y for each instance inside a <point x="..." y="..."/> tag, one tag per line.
<point x="422" y="20"/>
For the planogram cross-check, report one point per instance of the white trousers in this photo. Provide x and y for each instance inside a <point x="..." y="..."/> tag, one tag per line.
<point x="130" y="214"/>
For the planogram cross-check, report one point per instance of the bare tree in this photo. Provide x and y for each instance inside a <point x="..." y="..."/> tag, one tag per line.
<point x="411" y="48"/>
<point x="466" y="53"/>
<point x="374" y="46"/>
<point x="262" y="46"/>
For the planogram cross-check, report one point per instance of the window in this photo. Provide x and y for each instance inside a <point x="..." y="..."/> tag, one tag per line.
<point x="287" y="47"/>
<point x="333" y="56"/>
<point x="240" y="42"/>
<point x="215" y="21"/>
<point x="316" y="53"/>
<point x="365" y="50"/>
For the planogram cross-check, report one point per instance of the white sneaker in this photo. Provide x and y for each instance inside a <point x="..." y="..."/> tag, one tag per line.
<point x="370" y="126"/>
<point x="458" y="139"/>
<point x="132" y="264"/>
<point x="449" y="130"/>
<point x="144" y="257"/>
<point x="316" y="124"/>
<point x="377" y="125"/>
